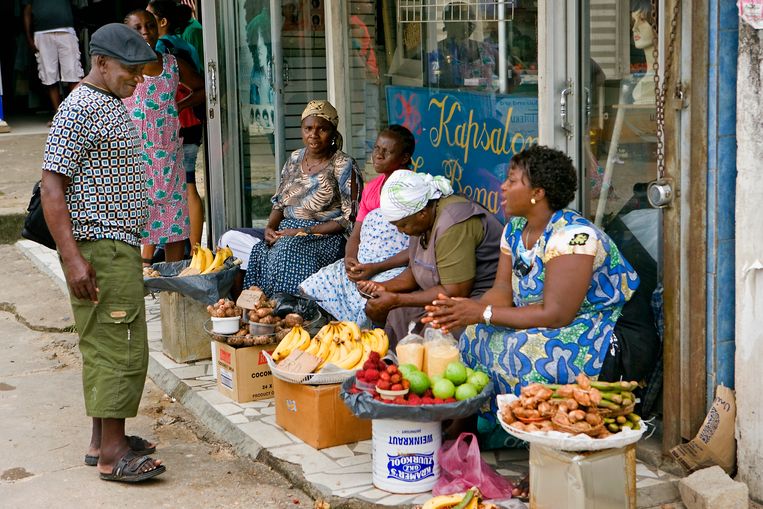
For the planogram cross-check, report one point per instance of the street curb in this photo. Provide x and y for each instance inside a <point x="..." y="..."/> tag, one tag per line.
<point x="36" y="253"/>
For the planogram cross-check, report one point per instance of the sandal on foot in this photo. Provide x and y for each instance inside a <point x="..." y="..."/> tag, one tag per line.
<point x="128" y="469"/>
<point x="139" y="446"/>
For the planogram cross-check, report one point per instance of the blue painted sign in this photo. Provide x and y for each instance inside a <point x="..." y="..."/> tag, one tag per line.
<point x="468" y="137"/>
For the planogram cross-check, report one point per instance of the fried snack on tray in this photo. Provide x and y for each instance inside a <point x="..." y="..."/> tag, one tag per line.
<point x="576" y="408"/>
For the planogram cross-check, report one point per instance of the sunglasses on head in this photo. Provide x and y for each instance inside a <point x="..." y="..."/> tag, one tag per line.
<point x="521" y="268"/>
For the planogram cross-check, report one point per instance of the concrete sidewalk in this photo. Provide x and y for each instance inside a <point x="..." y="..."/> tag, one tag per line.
<point x="340" y="475"/>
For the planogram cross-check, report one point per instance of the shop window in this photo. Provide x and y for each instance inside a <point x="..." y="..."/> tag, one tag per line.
<point x="460" y="74"/>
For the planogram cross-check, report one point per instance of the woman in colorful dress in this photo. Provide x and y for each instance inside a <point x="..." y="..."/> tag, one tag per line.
<point x="376" y="249"/>
<point x="560" y="287"/>
<point x="154" y="111"/>
<point x="172" y="18"/>
<point x="314" y="208"/>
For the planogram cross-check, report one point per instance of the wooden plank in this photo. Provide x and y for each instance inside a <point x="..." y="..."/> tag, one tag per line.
<point x="183" y="336"/>
<point x="698" y="223"/>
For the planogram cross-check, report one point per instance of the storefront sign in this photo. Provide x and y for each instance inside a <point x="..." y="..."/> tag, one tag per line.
<point x="467" y="137"/>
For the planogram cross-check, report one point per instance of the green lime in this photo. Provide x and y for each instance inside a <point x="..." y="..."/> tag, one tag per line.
<point x="465" y="391"/>
<point x="407" y="369"/>
<point x="456" y="372"/>
<point x="479" y="380"/>
<point x="419" y="382"/>
<point x="443" y="389"/>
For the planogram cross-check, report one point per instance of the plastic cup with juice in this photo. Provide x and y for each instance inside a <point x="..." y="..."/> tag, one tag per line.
<point x="438" y="356"/>
<point x="410" y="353"/>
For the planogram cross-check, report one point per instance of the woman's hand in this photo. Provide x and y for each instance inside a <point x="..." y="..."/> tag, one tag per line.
<point x="382" y="302"/>
<point x="290" y="232"/>
<point x="448" y="313"/>
<point x="362" y="271"/>
<point x="370" y="288"/>
<point x="349" y="263"/>
<point x="270" y="235"/>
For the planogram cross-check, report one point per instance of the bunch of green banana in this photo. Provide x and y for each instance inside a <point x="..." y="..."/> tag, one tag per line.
<point x="297" y="339"/>
<point x="619" y="423"/>
<point x="616" y="396"/>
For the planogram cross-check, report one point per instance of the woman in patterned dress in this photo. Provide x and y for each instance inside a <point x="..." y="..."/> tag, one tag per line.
<point x="560" y="287"/>
<point x="313" y="209"/>
<point x="154" y="111"/>
<point x="376" y="249"/>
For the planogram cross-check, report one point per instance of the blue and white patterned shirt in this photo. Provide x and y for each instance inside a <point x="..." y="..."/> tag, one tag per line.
<point x="94" y="143"/>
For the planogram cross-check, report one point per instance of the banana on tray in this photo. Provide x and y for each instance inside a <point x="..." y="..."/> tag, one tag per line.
<point x="343" y="344"/>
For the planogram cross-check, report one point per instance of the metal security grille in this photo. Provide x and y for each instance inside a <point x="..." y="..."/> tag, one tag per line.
<point x="444" y="11"/>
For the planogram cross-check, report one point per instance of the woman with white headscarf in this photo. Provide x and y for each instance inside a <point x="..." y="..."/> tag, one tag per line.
<point x="453" y="249"/>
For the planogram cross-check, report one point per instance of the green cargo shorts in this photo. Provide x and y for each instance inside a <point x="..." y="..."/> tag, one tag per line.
<point x="112" y="334"/>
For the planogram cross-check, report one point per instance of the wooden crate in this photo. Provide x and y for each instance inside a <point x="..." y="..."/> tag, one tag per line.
<point x="183" y="335"/>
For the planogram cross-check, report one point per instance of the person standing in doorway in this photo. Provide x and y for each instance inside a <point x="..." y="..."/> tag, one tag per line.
<point x="95" y="204"/>
<point x="49" y="27"/>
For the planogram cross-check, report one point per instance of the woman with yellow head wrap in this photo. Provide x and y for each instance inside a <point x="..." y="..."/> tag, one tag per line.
<point x="313" y="208"/>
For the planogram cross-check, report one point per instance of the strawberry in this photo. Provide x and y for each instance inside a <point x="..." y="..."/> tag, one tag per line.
<point x="369" y="365"/>
<point x="396" y="378"/>
<point x="374" y="356"/>
<point x="372" y="375"/>
<point x="413" y="399"/>
<point x="384" y="376"/>
<point x="399" y="400"/>
<point x="439" y="401"/>
<point x="396" y="387"/>
<point x="451" y="400"/>
<point x="427" y="401"/>
<point x="391" y="369"/>
<point x="360" y="374"/>
<point x="355" y="390"/>
<point x="428" y="393"/>
<point x="383" y="385"/>
<point x="406" y="384"/>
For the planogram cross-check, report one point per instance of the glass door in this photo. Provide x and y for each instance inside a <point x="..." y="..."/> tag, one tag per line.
<point x="617" y="153"/>
<point x="265" y="60"/>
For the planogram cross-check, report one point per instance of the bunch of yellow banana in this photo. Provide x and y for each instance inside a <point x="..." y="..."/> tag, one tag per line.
<point x="297" y="339"/>
<point x="376" y="339"/>
<point x="204" y="262"/>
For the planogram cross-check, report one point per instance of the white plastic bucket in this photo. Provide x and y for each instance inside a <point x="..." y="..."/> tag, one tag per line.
<point x="405" y="455"/>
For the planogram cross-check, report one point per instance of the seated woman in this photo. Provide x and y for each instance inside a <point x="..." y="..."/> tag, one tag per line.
<point x="376" y="249"/>
<point x="313" y="208"/>
<point x="560" y="287"/>
<point x="453" y="249"/>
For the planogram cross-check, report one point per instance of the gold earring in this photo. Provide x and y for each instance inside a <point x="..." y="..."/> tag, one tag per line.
<point x="532" y="200"/>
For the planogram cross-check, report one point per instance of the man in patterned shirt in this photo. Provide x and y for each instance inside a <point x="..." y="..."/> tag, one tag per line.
<point x="94" y="199"/>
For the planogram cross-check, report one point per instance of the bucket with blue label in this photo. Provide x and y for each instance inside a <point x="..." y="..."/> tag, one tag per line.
<point x="405" y="455"/>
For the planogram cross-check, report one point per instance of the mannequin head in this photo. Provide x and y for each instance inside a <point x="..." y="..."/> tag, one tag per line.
<point x="641" y="24"/>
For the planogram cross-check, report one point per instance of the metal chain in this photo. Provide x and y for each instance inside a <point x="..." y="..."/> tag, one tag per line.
<point x="660" y="88"/>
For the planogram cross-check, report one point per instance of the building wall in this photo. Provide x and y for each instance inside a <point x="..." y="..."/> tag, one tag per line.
<point x="723" y="35"/>
<point x="749" y="262"/>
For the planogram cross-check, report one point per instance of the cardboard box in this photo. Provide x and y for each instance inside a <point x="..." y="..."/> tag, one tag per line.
<point x="317" y="415"/>
<point x="242" y="373"/>
<point x="582" y="480"/>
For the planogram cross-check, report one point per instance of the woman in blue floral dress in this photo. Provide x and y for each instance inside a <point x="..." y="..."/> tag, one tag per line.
<point x="559" y="290"/>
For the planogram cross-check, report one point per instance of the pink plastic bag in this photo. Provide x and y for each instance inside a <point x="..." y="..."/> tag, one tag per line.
<point x="462" y="467"/>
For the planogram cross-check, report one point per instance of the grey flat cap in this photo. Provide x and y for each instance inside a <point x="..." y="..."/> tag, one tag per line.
<point x="122" y="43"/>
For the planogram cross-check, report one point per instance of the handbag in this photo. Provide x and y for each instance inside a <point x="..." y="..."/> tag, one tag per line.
<point x="35" y="228"/>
